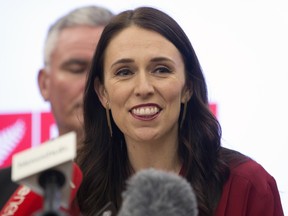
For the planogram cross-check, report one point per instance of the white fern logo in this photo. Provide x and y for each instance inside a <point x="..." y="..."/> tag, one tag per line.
<point x="10" y="137"/>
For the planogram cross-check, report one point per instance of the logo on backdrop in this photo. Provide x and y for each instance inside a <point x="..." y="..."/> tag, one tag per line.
<point x="19" y="131"/>
<point x="15" y="135"/>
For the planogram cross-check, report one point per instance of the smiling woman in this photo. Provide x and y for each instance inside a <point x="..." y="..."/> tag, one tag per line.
<point x="146" y="105"/>
<point x="137" y="86"/>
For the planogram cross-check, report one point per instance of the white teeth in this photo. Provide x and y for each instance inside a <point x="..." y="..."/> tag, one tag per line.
<point x="145" y="111"/>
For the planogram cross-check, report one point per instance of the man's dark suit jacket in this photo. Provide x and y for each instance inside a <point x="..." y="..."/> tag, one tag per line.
<point x="7" y="187"/>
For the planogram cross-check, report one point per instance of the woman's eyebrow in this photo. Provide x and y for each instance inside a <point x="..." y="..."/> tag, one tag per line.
<point x="121" y="61"/>
<point x="157" y="59"/>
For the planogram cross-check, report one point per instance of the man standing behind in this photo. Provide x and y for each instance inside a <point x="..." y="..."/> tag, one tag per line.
<point x="68" y="51"/>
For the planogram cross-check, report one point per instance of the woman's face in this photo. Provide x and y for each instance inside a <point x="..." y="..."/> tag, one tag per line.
<point x="144" y="83"/>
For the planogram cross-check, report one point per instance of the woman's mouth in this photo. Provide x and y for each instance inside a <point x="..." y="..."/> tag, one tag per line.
<point x="145" y="112"/>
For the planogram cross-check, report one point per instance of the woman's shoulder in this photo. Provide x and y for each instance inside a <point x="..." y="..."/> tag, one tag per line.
<point x="250" y="189"/>
<point x="246" y="169"/>
<point x="252" y="171"/>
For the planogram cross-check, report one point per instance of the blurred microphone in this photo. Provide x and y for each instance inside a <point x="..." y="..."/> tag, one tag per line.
<point x="48" y="177"/>
<point x="154" y="192"/>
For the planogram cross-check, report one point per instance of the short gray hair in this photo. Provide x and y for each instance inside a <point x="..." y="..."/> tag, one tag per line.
<point x="85" y="16"/>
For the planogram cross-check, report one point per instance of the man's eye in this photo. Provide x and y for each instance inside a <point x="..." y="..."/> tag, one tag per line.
<point x="76" y="68"/>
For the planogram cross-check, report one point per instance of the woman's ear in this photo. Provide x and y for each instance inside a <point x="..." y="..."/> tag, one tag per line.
<point x="187" y="94"/>
<point x="43" y="83"/>
<point x="101" y="92"/>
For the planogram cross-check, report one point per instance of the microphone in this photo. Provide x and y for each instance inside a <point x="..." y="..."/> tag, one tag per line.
<point x="46" y="174"/>
<point x="153" y="192"/>
<point x="24" y="201"/>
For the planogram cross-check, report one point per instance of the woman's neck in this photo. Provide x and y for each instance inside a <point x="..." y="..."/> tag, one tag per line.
<point x="158" y="155"/>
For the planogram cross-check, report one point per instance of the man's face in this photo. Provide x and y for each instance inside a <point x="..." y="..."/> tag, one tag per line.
<point x="62" y="82"/>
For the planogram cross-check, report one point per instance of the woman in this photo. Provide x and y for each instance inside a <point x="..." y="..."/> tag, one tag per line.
<point x="146" y="105"/>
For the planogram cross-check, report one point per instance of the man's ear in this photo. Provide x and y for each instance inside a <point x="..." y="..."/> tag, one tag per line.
<point x="43" y="83"/>
<point x="101" y="92"/>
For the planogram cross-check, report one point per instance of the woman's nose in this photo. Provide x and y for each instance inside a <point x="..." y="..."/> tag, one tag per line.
<point x="143" y="85"/>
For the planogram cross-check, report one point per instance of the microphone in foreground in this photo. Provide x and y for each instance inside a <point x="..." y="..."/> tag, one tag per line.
<point x="24" y="201"/>
<point x="154" y="192"/>
<point x="48" y="178"/>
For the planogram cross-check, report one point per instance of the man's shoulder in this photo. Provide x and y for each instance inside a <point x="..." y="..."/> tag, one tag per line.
<point x="7" y="186"/>
<point x="5" y="176"/>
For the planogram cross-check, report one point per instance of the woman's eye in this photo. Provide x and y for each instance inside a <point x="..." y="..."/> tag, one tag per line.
<point x="162" y="70"/>
<point x="123" y="72"/>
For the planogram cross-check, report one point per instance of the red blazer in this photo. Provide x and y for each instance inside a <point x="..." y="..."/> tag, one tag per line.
<point x="250" y="191"/>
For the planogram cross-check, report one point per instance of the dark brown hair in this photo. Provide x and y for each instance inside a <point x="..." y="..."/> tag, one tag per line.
<point x="104" y="160"/>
